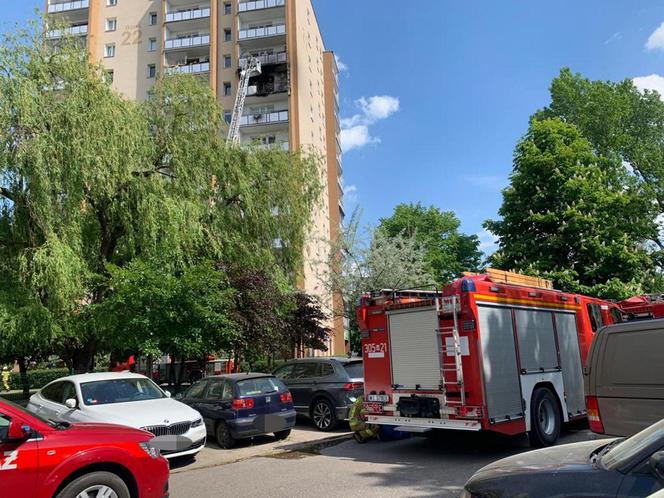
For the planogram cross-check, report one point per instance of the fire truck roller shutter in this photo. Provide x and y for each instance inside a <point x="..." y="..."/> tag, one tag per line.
<point x="499" y="365"/>
<point x="570" y="359"/>
<point x="415" y="348"/>
<point x="537" y="343"/>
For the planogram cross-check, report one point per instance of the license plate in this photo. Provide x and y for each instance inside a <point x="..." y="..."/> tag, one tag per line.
<point x="378" y="398"/>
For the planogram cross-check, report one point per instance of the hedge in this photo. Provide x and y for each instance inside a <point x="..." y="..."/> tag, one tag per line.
<point x="36" y="378"/>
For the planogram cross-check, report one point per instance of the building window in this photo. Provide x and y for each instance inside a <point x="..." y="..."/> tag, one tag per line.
<point x="228" y="117"/>
<point x="227" y="35"/>
<point x="152" y="44"/>
<point x="152" y="70"/>
<point x="111" y="24"/>
<point x="227" y="89"/>
<point x="227" y="61"/>
<point x="228" y="10"/>
<point x="153" y="18"/>
<point x="109" y="50"/>
<point x="111" y="3"/>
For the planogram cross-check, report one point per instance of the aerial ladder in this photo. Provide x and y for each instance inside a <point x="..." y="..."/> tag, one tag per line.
<point x="251" y="68"/>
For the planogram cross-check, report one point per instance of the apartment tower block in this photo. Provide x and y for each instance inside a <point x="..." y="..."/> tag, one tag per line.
<point x="293" y="104"/>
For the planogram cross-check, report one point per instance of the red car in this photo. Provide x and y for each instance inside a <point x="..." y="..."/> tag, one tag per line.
<point x="48" y="459"/>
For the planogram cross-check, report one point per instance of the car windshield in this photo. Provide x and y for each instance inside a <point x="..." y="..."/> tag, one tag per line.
<point x="261" y="385"/>
<point x="106" y="392"/>
<point x="355" y="369"/>
<point x="625" y="450"/>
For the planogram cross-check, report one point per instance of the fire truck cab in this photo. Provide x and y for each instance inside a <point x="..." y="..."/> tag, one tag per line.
<point x="498" y="352"/>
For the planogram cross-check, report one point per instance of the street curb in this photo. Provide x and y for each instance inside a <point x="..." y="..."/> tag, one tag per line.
<point x="310" y="447"/>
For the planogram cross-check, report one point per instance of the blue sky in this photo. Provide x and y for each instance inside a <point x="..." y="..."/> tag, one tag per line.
<point x="456" y="83"/>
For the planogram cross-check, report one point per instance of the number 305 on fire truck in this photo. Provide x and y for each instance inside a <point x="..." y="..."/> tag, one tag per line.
<point x="498" y="352"/>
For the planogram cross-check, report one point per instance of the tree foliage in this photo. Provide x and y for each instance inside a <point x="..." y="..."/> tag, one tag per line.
<point x="448" y="252"/>
<point x="92" y="184"/>
<point x="573" y="215"/>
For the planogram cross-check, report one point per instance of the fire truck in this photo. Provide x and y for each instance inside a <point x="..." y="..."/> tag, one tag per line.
<point x="643" y="307"/>
<point x="497" y="352"/>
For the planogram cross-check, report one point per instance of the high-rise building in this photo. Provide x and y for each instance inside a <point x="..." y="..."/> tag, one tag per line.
<point x="292" y="104"/>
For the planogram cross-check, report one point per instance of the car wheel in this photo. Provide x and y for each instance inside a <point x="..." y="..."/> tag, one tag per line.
<point x="545" y="418"/>
<point x="96" y="485"/>
<point x="224" y="437"/>
<point x="282" y="434"/>
<point x="323" y="415"/>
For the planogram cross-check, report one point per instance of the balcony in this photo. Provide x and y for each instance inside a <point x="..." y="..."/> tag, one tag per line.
<point x="275" y="117"/>
<point x="188" y="42"/>
<point x="73" y="31"/>
<point x="251" y="33"/>
<point x="199" y="68"/>
<point x="265" y="60"/>
<point x="260" y="4"/>
<point x="188" y="15"/>
<point x="68" y="6"/>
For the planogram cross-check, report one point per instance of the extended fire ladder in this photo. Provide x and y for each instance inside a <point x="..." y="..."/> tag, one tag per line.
<point x="251" y="68"/>
<point x="444" y="306"/>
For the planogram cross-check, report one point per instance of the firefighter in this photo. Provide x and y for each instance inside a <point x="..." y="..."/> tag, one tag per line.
<point x="362" y="431"/>
<point x="5" y="379"/>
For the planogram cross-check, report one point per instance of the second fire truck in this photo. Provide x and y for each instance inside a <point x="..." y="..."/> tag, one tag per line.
<point x="498" y="352"/>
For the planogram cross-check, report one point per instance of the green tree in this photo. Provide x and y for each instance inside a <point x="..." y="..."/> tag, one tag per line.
<point x="89" y="179"/>
<point x="620" y="122"/>
<point x="574" y="216"/>
<point x="448" y="252"/>
<point x="366" y="260"/>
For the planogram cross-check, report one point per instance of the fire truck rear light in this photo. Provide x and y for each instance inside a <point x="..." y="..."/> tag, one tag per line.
<point x="243" y="404"/>
<point x="594" y="417"/>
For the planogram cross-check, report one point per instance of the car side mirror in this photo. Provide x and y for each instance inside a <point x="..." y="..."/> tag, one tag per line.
<point x="168" y="394"/>
<point x="657" y="465"/>
<point x="71" y="403"/>
<point x="18" y="431"/>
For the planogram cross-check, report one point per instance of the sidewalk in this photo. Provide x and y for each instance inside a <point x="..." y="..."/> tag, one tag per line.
<point x="303" y="436"/>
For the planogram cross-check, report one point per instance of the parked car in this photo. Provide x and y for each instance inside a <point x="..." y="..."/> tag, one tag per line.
<point x="324" y="389"/>
<point x="240" y="406"/>
<point x="624" y="377"/>
<point x="619" y="468"/>
<point x="121" y="398"/>
<point x="50" y="459"/>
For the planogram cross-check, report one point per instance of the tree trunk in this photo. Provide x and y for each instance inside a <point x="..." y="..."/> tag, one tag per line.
<point x="23" y="369"/>
<point x="83" y="358"/>
<point x="171" y="372"/>
<point x="181" y="371"/>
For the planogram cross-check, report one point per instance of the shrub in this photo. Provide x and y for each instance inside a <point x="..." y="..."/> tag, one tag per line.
<point x="37" y="378"/>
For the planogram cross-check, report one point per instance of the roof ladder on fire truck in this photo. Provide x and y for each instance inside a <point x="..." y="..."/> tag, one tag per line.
<point x="453" y="347"/>
<point x="251" y="68"/>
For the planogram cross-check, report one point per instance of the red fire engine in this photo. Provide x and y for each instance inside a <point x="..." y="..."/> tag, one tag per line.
<point x="499" y="352"/>
<point x="643" y="307"/>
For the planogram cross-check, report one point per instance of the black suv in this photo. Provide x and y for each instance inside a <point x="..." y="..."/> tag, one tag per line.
<point x="323" y="389"/>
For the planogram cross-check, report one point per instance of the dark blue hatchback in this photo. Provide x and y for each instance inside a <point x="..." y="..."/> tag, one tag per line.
<point x="237" y="406"/>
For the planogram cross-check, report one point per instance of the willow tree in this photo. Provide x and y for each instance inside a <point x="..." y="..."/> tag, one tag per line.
<point x="89" y="178"/>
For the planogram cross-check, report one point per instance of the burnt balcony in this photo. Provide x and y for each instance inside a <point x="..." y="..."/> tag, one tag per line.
<point x="268" y="84"/>
<point x="266" y="59"/>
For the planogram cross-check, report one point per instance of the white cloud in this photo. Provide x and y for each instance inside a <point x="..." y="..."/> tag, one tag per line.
<point x="378" y="107"/>
<point x="615" y="37"/>
<point x="342" y="66"/>
<point x="652" y="82"/>
<point x="355" y="131"/>
<point x="486" y="182"/>
<point x="656" y="39"/>
<point x="356" y="137"/>
<point x="488" y="243"/>
<point x="350" y="195"/>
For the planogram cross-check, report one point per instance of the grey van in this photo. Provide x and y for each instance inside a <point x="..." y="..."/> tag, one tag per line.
<point x="624" y="377"/>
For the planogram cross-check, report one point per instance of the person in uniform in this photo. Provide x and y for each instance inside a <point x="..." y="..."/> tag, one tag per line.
<point x="362" y="431"/>
<point x="5" y="379"/>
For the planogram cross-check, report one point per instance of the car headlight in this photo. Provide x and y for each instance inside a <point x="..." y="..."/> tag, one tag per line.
<point x="150" y="450"/>
<point x="197" y="423"/>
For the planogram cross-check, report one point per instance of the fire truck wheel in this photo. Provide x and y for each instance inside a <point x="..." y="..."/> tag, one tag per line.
<point x="323" y="415"/>
<point x="224" y="436"/>
<point x="545" y="418"/>
<point x="96" y="484"/>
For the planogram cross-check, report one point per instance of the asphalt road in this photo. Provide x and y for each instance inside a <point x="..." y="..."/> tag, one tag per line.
<point x="413" y="467"/>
